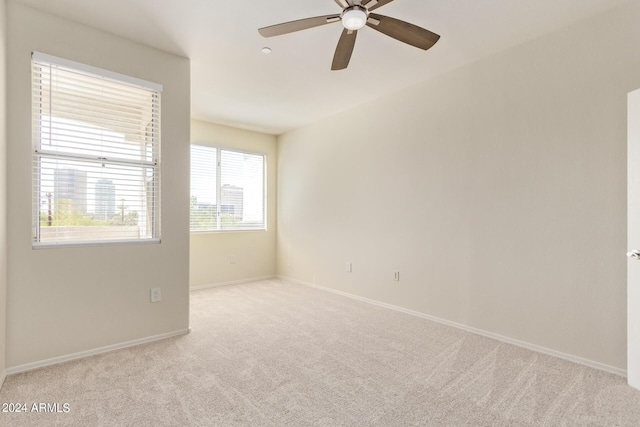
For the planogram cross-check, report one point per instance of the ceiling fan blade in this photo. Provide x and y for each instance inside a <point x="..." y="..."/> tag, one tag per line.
<point x="374" y="4"/>
<point x="344" y="50"/>
<point x="300" y="24"/>
<point x="403" y="31"/>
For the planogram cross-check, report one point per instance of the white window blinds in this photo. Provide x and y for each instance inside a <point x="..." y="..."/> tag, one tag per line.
<point x="227" y="190"/>
<point x="96" y="155"/>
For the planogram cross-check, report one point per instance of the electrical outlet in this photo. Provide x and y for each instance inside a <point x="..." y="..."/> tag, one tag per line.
<point x="232" y="259"/>
<point x="348" y="267"/>
<point x="396" y="276"/>
<point x="156" y="294"/>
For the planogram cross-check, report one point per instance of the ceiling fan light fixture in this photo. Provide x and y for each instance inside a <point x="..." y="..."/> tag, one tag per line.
<point x="354" y="18"/>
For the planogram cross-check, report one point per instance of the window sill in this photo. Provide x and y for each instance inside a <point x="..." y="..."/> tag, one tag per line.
<point x="228" y="231"/>
<point x="62" y="245"/>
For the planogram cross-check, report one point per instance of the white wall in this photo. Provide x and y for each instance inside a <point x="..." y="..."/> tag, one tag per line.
<point x="64" y="301"/>
<point x="254" y="251"/>
<point x="3" y="189"/>
<point x="497" y="190"/>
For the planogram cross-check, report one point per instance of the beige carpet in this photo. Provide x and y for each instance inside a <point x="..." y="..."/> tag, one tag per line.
<point x="276" y="354"/>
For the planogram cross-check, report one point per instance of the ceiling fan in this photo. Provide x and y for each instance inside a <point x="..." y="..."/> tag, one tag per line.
<point x="355" y="15"/>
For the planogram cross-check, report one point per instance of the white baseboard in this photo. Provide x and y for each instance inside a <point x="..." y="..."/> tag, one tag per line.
<point x="498" y="337"/>
<point x="233" y="282"/>
<point x="61" y="359"/>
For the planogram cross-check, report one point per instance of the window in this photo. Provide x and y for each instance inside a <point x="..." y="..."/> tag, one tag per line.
<point x="227" y="190"/>
<point x="96" y="155"/>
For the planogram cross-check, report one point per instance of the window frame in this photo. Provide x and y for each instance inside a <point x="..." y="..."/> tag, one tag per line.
<point x="38" y="154"/>
<point x="218" y="184"/>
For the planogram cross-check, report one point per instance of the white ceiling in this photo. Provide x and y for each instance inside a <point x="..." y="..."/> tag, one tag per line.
<point x="234" y="83"/>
